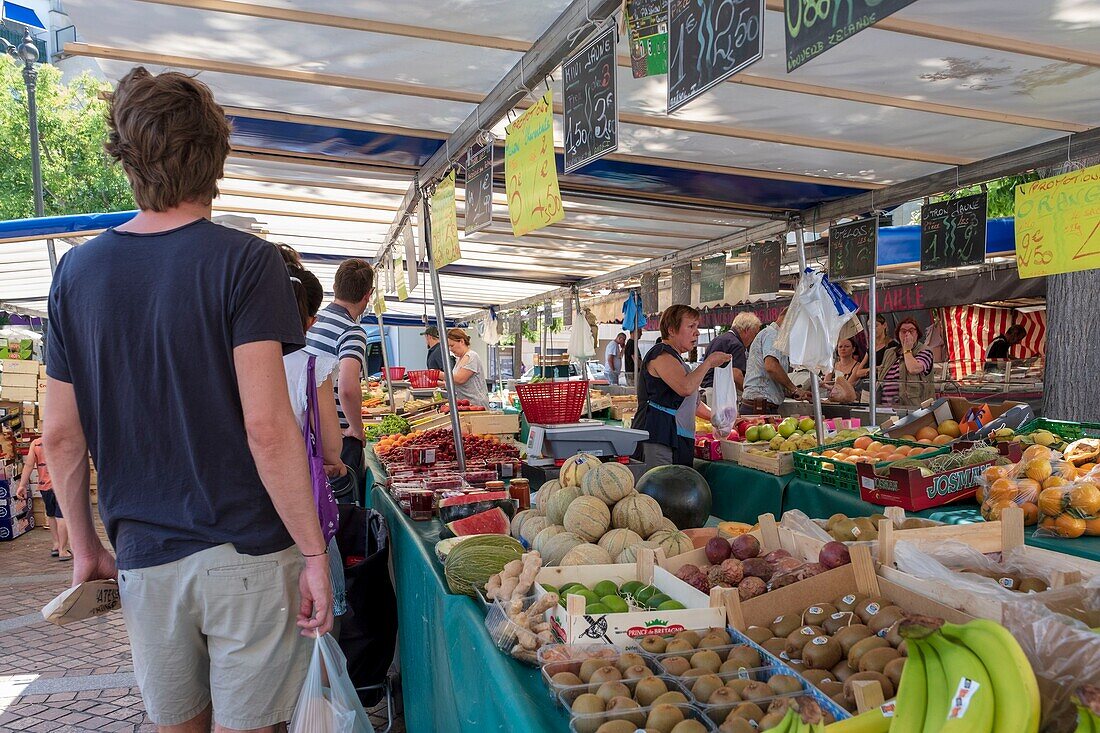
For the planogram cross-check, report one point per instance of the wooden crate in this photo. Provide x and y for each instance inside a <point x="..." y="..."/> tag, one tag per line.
<point x="895" y="515"/>
<point x="777" y="464"/>
<point x="489" y="423"/>
<point x="770" y="535"/>
<point x="732" y="449"/>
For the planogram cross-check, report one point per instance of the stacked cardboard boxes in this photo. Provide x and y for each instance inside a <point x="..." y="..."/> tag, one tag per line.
<point x="19" y="380"/>
<point x="16" y="517"/>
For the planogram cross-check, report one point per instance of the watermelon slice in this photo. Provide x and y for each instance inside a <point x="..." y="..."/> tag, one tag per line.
<point x="493" y="521"/>
<point x="461" y="507"/>
<point x="472" y="497"/>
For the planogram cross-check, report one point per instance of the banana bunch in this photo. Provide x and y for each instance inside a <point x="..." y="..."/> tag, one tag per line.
<point x="1088" y="709"/>
<point x="972" y="678"/>
<point x="803" y="716"/>
<point x="875" y="720"/>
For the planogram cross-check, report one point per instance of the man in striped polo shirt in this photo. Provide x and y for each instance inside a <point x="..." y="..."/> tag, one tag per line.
<point x="337" y="333"/>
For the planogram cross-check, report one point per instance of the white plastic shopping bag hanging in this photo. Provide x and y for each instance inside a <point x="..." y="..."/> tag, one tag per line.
<point x="581" y="345"/>
<point x="818" y="313"/>
<point x="333" y="707"/>
<point x="724" y="410"/>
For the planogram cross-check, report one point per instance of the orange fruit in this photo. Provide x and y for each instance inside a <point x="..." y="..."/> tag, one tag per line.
<point x="873" y="445"/>
<point x="1092" y="527"/>
<point x="1069" y="526"/>
<point x="862" y="442"/>
<point x="828" y="454"/>
<point x="1002" y="489"/>
<point x="911" y="438"/>
<point x="1031" y="513"/>
<point x="1054" y="481"/>
<point x="979" y="493"/>
<point x="995" y="472"/>
<point x="1036" y="451"/>
<point x="1038" y="469"/>
<point x="993" y="513"/>
<point x="942" y="440"/>
<point x="1028" y="490"/>
<point x="1085" y="498"/>
<point x="1086" y="467"/>
<point x="924" y="441"/>
<point x="927" y="433"/>
<point x="1052" y="502"/>
<point x="902" y="450"/>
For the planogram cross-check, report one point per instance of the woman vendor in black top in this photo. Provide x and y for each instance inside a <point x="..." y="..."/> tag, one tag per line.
<point x="668" y="391"/>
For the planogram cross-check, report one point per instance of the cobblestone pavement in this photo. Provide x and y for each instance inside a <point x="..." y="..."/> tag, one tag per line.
<point x="73" y="679"/>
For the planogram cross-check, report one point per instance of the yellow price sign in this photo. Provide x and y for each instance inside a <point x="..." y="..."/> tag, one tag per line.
<point x="1058" y="224"/>
<point x="379" y="302"/>
<point x="445" y="249"/>
<point x="402" y="288"/>
<point x="530" y="171"/>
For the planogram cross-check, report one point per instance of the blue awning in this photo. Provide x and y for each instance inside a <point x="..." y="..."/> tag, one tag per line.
<point x="22" y="15"/>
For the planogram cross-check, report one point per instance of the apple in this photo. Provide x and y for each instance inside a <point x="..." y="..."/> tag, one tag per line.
<point x="787" y="427"/>
<point x="806" y="425"/>
<point x="752" y="433"/>
<point x="764" y="432"/>
<point x="734" y="436"/>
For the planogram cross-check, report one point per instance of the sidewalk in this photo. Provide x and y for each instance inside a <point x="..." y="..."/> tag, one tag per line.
<point x="78" y="678"/>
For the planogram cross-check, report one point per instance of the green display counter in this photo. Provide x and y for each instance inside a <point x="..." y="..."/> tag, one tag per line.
<point x="743" y="494"/>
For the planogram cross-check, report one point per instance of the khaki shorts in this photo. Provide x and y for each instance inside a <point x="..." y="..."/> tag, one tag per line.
<point x="217" y="627"/>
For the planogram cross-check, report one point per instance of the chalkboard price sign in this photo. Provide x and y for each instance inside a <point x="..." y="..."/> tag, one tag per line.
<point x="712" y="279"/>
<point x="647" y="21"/>
<point x="952" y="233"/>
<point x="853" y="249"/>
<point x="709" y="41"/>
<point x="479" y="188"/>
<point x="815" y="26"/>
<point x="765" y="260"/>
<point x="649" y="292"/>
<point x="591" y="103"/>
<point x="681" y="284"/>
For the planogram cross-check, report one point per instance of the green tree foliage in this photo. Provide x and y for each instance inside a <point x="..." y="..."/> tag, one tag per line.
<point x="77" y="175"/>
<point x="1002" y="195"/>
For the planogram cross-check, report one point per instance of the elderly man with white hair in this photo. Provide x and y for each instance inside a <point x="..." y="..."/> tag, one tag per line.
<point x="735" y="342"/>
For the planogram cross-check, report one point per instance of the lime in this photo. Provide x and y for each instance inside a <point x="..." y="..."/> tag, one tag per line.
<point x="630" y="587"/>
<point x="615" y="604"/>
<point x="671" y="605"/>
<point x="643" y="594"/>
<point x="594" y="609"/>
<point x="605" y="588"/>
<point x="589" y="596"/>
<point x="569" y="586"/>
<point x="549" y="588"/>
<point x="656" y="600"/>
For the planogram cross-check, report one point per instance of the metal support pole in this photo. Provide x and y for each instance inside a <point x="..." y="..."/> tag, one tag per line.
<point x="448" y="375"/>
<point x="386" y="362"/>
<point x="872" y="344"/>
<point x="815" y="388"/>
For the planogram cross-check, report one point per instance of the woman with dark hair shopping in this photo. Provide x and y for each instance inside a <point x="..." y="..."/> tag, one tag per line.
<point x="906" y="370"/>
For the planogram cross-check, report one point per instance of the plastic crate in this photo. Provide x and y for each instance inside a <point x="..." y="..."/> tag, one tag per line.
<point x="396" y="372"/>
<point x="843" y="475"/>
<point x="1064" y="429"/>
<point x="552" y="403"/>
<point x="424" y="378"/>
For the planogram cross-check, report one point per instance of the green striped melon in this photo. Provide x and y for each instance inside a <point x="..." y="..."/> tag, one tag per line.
<point x="673" y="542"/>
<point x="618" y="540"/>
<point x="608" y="482"/>
<point x="559" y="502"/>
<point x="517" y="521"/>
<point x="588" y="518"/>
<point x="542" y="496"/>
<point x="638" y="512"/>
<point x="575" y="467"/>
<point x="544" y="536"/>
<point x="668" y="524"/>
<point x="471" y="563"/>
<point x="555" y="548"/>
<point x="587" y="554"/>
<point x="532" y="527"/>
<point x="630" y="554"/>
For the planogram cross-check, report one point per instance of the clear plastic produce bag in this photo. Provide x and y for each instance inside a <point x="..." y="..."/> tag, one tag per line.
<point x="329" y="703"/>
<point x="724" y="409"/>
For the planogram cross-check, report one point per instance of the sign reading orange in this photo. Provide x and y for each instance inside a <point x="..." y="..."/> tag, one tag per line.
<point x="1058" y="224"/>
<point x="531" y="176"/>
<point x="445" y="249"/>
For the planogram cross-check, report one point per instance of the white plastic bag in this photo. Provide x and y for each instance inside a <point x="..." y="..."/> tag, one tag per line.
<point x="331" y="708"/>
<point x="724" y="410"/>
<point x="817" y="315"/>
<point x="581" y="345"/>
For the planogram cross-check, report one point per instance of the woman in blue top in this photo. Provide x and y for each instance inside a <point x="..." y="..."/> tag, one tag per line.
<point x="668" y="391"/>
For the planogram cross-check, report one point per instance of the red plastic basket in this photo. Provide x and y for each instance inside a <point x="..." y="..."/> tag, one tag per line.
<point x="397" y="373"/>
<point x="552" y="403"/>
<point x="423" y="378"/>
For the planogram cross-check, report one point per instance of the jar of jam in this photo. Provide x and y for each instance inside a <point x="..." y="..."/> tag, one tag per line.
<point x="494" y="486"/>
<point x="520" y="490"/>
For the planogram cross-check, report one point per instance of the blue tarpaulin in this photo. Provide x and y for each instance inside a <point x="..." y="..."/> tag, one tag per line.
<point x="16" y="13"/>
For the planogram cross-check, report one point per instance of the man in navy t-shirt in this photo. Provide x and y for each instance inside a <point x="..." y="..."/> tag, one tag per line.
<point x="167" y="336"/>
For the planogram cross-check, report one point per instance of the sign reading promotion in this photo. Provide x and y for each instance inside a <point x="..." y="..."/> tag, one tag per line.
<point x="1058" y="224"/>
<point x="531" y="176"/>
<point x="445" y="248"/>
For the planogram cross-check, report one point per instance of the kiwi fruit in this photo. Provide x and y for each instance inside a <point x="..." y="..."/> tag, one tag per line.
<point x="849" y="636"/>
<point x="832" y="521"/>
<point x="893" y="635"/>
<point x="893" y="670"/>
<point x="617" y="726"/>
<point x="1031" y="584"/>
<point x="841" y="671"/>
<point x="678" y="645"/>
<point x="816" y="676"/>
<point x="691" y="637"/>
<point x="589" y="666"/>
<point x="629" y="659"/>
<point x="566" y="679"/>
<point x="776" y="645"/>
<point x="1008" y="580"/>
<point x="838" y="620"/>
<point x="705" y="686"/>
<point x="689" y="726"/>
<point x="587" y="704"/>
<point x="843" y="702"/>
<point x="785" y="624"/>
<point x="800" y="637"/>
<point x="724" y="696"/>
<point x="815" y="615"/>
<point x="844" y="530"/>
<point x="738" y="685"/>
<point x="757" y="691"/>
<point x="759" y="634"/>
<point x="605" y="674"/>
<point x="712" y="641"/>
<point x="912" y="523"/>
<point x="721" y="634"/>
<point x="797" y="665"/>
<point x="748" y="711"/>
<point x="672" y="697"/>
<point x="831" y="687"/>
<point x="883" y="680"/>
<point x="868" y="608"/>
<point x="648" y="690"/>
<point x="849" y="602"/>
<point x="903" y="648"/>
<point x="823" y="652"/>
<point x="696" y="672"/>
<point x="865" y="529"/>
<point x="609" y="690"/>
<point x="654" y="645"/>
<point x="664" y="718"/>
<point x="675" y="666"/>
<point x="706" y="659"/>
<point x="877" y="659"/>
<point x="784" y="683"/>
<point x="885" y="618"/>
<point x="637" y="672"/>
<point x="623" y="708"/>
<point x="876" y="518"/>
<point x="736" y="725"/>
<point x="862" y="647"/>
<point x="743" y="656"/>
<point x="772" y="719"/>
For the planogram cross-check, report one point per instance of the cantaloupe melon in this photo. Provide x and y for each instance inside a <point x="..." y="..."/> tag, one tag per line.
<point x="618" y="540"/>
<point x="672" y="542"/>
<point x="587" y="554"/>
<point x="608" y="482"/>
<point x="638" y="512"/>
<point x="544" y="536"/>
<point x="588" y="518"/>
<point x="559" y="502"/>
<point x="519" y="519"/>
<point x="532" y="527"/>
<point x="542" y="496"/>
<point x="575" y="467"/>
<point x="668" y="524"/>
<point x="554" y="549"/>
<point x="630" y="554"/>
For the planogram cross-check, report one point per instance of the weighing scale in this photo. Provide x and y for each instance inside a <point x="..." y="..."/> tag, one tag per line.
<point x="548" y="444"/>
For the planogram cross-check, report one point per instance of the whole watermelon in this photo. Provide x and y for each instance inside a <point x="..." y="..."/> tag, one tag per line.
<point x="682" y="492"/>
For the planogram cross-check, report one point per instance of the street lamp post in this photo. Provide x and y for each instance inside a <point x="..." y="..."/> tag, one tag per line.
<point x="27" y="54"/>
